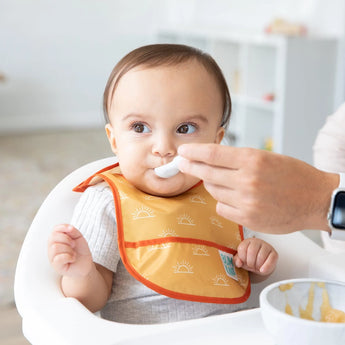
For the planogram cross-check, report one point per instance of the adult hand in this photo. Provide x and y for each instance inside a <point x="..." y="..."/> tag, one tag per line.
<point x="261" y="190"/>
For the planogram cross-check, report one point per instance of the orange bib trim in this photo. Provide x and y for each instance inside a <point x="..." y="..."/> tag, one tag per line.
<point x="179" y="246"/>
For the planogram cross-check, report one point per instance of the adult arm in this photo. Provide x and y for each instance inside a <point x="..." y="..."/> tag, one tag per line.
<point x="329" y="146"/>
<point x="262" y="190"/>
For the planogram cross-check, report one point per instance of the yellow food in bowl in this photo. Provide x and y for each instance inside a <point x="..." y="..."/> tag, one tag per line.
<point x="328" y="314"/>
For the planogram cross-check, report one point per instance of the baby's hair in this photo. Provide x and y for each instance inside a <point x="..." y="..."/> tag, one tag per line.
<point x="166" y="55"/>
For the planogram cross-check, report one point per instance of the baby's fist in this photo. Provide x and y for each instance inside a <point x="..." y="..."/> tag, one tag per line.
<point x="69" y="252"/>
<point x="256" y="256"/>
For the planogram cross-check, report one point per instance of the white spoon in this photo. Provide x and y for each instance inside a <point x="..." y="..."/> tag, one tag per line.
<point x="168" y="170"/>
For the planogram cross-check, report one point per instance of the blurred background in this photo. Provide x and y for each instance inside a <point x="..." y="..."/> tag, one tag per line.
<point x="284" y="61"/>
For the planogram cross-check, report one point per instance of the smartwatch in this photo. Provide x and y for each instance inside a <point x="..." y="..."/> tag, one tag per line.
<point x="336" y="214"/>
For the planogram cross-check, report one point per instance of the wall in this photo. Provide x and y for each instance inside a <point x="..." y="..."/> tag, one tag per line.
<point x="321" y="16"/>
<point x="57" y="55"/>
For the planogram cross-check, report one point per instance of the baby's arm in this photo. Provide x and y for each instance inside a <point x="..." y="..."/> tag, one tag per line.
<point x="256" y="256"/>
<point x="70" y="256"/>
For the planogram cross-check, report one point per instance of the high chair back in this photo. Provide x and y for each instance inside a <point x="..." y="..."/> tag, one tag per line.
<point x="50" y="318"/>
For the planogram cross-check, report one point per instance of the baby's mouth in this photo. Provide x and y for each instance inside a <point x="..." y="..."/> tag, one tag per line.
<point x="168" y="170"/>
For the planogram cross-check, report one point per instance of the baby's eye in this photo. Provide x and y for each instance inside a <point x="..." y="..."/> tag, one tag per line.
<point x="140" y="128"/>
<point x="186" y="128"/>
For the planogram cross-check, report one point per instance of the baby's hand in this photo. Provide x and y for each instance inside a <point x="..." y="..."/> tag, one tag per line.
<point x="256" y="256"/>
<point x="69" y="252"/>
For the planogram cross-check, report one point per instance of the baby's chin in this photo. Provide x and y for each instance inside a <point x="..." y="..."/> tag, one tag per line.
<point x="163" y="192"/>
<point x="167" y="187"/>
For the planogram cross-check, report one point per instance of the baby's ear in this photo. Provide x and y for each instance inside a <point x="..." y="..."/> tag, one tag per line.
<point x="219" y="135"/>
<point x="110" y="134"/>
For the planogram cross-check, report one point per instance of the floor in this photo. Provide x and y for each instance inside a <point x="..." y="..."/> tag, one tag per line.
<point x="30" y="166"/>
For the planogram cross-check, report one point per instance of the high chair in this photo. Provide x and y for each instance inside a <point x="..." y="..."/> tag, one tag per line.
<point x="50" y="318"/>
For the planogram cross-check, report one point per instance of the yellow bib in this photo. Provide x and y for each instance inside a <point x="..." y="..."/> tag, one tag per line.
<point x="177" y="246"/>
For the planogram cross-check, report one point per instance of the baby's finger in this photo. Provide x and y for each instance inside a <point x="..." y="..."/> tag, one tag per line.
<point x="262" y="256"/>
<point x="62" y="228"/>
<point x="61" y="237"/>
<point x="62" y="262"/>
<point x="72" y="232"/>
<point x="68" y="229"/>
<point x="270" y="263"/>
<point x="242" y="250"/>
<point x="58" y="249"/>
<point x="238" y="262"/>
<point x="252" y="252"/>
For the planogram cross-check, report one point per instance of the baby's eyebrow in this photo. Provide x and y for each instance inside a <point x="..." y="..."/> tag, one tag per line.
<point x="134" y="115"/>
<point x="187" y="118"/>
<point x="196" y="117"/>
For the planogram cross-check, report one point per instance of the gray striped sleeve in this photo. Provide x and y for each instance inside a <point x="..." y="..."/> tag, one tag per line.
<point x="247" y="233"/>
<point x="94" y="217"/>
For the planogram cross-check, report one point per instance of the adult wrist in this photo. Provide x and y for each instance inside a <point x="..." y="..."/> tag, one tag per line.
<point x="320" y="201"/>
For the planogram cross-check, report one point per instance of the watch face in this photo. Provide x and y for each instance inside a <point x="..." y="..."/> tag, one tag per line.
<point x="338" y="216"/>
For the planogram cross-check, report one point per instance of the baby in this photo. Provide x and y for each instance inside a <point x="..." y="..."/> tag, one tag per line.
<point x="145" y="249"/>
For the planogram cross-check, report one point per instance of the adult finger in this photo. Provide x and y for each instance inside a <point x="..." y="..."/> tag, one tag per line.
<point x="223" y="194"/>
<point x="232" y="213"/>
<point x="213" y="154"/>
<point x="208" y="173"/>
<point x="256" y="221"/>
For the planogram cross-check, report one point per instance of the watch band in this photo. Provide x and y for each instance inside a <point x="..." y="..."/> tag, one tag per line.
<point x="342" y="180"/>
<point x="338" y="234"/>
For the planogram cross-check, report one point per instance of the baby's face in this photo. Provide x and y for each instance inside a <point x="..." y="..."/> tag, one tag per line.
<point x="153" y="112"/>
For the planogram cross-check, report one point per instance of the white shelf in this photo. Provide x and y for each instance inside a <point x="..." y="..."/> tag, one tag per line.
<point x="298" y="71"/>
<point x="253" y="102"/>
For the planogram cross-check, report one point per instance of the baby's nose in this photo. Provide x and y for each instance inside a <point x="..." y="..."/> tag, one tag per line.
<point x="164" y="146"/>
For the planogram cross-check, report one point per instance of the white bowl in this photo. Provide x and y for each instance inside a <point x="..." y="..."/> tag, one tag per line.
<point x="293" y="330"/>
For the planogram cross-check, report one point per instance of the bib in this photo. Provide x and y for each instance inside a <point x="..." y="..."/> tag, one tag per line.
<point x="177" y="246"/>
